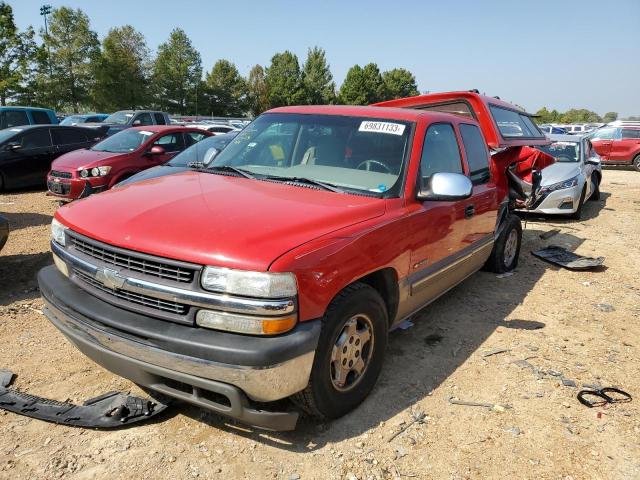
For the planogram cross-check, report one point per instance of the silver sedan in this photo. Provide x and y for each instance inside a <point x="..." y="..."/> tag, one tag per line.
<point x="572" y="180"/>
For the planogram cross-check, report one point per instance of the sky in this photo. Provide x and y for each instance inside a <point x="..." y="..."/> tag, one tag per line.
<point x="560" y="54"/>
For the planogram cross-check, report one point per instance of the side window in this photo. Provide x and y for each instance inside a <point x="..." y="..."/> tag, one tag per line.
<point x="170" y="143"/>
<point x="192" y="137"/>
<point x="14" y="118"/>
<point x="159" y="119"/>
<point x="36" y="139"/>
<point x="143" y="119"/>
<point x="62" y="136"/>
<point x="477" y="155"/>
<point x="440" y="152"/>
<point x="605" y="134"/>
<point x="40" y="118"/>
<point x="630" y="133"/>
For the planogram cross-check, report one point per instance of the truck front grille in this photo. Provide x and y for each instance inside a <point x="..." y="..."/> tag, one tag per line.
<point x="132" y="262"/>
<point x="144" y="300"/>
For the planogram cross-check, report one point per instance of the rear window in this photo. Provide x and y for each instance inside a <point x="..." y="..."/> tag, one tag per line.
<point x="477" y="155"/>
<point x="631" y="133"/>
<point x="39" y="117"/>
<point x="514" y="124"/>
<point x="457" y="108"/>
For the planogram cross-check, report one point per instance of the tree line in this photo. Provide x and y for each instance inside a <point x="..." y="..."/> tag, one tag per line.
<point x="70" y="69"/>
<point x="574" y="115"/>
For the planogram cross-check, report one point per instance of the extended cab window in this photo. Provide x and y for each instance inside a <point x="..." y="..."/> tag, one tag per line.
<point x="13" y="118"/>
<point x="514" y="124"/>
<point x="40" y="118"/>
<point x="440" y="152"/>
<point x="477" y="154"/>
<point x="68" y="137"/>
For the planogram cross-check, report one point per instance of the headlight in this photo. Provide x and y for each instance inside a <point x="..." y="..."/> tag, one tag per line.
<point x="95" y="172"/>
<point x="57" y="231"/>
<point x="232" y="322"/>
<point x="249" y="284"/>
<point x="572" y="182"/>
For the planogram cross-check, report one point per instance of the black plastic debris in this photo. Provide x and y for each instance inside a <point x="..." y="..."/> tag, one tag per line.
<point x="111" y="410"/>
<point x="563" y="257"/>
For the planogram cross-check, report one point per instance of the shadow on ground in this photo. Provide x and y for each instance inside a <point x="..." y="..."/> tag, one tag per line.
<point x="445" y="334"/>
<point x="25" y="220"/>
<point x="18" y="276"/>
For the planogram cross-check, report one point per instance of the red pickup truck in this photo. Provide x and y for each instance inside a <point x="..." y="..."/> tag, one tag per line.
<point x="278" y="269"/>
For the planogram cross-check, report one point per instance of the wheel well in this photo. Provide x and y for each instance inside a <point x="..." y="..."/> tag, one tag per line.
<point x="598" y="176"/>
<point x="385" y="282"/>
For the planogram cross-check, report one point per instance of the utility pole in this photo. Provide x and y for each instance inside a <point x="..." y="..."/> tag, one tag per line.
<point x="45" y="10"/>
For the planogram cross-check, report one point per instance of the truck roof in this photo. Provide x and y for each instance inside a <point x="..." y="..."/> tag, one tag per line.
<point x="16" y="107"/>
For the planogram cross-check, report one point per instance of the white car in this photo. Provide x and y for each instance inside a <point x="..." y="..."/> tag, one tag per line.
<point x="572" y="180"/>
<point x="216" y="128"/>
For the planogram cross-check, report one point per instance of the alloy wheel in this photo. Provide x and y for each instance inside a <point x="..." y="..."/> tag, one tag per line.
<point x="352" y="352"/>
<point x="510" y="247"/>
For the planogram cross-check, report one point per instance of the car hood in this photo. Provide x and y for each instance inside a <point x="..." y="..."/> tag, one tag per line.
<point x="83" y="158"/>
<point x="559" y="172"/>
<point x="212" y="219"/>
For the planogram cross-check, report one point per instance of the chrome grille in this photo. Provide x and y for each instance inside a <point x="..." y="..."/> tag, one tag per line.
<point x="144" y="300"/>
<point x="56" y="173"/>
<point x="134" y="263"/>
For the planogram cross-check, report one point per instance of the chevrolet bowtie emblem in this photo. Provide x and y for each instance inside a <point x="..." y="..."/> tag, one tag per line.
<point x="110" y="278"/>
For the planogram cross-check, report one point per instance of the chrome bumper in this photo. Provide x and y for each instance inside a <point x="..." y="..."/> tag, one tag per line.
<point x="258" y="383"/>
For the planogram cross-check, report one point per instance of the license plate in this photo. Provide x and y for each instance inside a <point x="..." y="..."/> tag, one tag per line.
<point x="55" y="187"/>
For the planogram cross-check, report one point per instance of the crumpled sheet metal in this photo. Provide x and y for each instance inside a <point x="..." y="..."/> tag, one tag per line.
<point x="564" y="258"/>
<point x="111" y="410"/>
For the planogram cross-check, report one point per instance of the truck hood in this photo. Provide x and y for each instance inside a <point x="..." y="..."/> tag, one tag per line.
<point x="84" y="158"/>
<point x="212" y="219"/>
<point x="559" y="172"/>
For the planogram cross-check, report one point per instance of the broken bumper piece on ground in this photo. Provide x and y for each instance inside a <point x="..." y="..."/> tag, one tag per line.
<point x="564" y="258"/>
<point x="111" y="410"/>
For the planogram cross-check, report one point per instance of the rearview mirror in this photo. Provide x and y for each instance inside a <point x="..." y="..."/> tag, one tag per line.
<point x="445" y="186"/>
<point x="156" y="150"/>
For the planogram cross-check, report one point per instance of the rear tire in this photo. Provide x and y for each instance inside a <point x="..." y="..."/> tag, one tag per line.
<point x="506" y="249"/>
<point x="595" y="188"/>
<point x="354" y="334"/>
<point x="636" y="162"/>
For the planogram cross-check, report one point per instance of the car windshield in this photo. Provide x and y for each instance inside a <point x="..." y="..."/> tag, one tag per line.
<point x="563" y="151"/>
<point x="124" y="141"/>
<point x="351" y="153"/>
<point x="71" y="120"/>
<point x="119" y="118"/>
<point x="202" y="152"/>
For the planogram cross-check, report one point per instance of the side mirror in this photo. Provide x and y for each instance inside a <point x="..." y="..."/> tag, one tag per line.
<point x="445" y="187"/>
<point x="210" y="155"/>
<point x="136" y="123"/>
<point x="13" y="146"/>
<point x="156" y="150"/>
<point x="593" y="161"/>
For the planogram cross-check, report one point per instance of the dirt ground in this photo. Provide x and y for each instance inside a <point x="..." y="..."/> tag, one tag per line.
<point x="554" y="324"/>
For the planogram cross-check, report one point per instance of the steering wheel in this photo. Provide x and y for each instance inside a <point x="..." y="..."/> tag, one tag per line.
<point x="367" y="164"/>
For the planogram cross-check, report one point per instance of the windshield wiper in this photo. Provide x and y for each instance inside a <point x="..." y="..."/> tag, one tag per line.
<point x="308" y="181"/>
<point x="226" y="168"/>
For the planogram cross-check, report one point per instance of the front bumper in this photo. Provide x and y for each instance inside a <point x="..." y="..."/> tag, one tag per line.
<point x="74" y="188"/>
<point x="561" y="202"/>
<point x="218" y="372"/>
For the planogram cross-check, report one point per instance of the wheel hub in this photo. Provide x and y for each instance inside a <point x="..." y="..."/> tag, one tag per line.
<point x="351" y="352"/>
<point x="510" y="247"/>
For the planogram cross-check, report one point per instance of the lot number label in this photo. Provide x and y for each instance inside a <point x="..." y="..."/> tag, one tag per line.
<point x="382" y="127"/>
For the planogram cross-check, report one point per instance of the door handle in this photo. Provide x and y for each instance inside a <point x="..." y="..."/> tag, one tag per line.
<point x="469" y="211"/>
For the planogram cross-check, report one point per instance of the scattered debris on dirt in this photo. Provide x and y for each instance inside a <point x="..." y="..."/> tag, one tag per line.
<point x="561" y="256"/>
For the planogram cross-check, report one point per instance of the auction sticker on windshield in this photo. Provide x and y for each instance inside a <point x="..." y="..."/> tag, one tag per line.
<point x="382" y="127"/>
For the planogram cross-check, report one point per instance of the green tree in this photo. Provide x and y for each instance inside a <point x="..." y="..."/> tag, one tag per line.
<point x="72" y="46"/>
<point x="121" y="80"/>
<point x="581" y="115"/>
<point x="17" y="50"/>
<point x="257" y="94"/>
<point x="610" y="117"/>
<point x="317" y="80"/>
<point x="362" y="86"/>
<point x="283" y="80"/>
<point x="177" y="74"/>
<point x="399" y="83"/>
<point x="226" y="89"/>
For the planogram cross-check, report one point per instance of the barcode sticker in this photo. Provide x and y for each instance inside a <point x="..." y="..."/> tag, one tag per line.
<point x="382" y="127"/>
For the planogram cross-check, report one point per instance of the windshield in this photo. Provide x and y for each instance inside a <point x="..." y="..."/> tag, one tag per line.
<point x="122" y="142"/>
<point x="119" y="118"/>
<point x="202" y="152"/>
<point x="71" y="120"/>
<point x="563" y="151"/>
<point x="354" y="153"/>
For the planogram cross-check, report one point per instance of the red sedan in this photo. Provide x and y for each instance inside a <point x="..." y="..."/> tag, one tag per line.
<point x="80" y="173"/>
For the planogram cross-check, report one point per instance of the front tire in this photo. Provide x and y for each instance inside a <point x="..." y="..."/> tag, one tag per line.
<point x="506" y="249"/>
<point x="636" y="162"/>
<point x="577" y="215"/>
<point x="349" y="355"/>
<point x="595" y="188"/>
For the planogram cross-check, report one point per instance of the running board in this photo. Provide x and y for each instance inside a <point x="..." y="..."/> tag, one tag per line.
<point x="111" y="410"/>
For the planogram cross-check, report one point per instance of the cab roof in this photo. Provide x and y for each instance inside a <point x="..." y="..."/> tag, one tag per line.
<point x="356" y="111"/>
